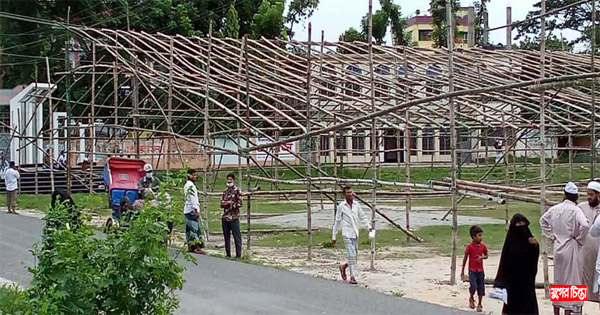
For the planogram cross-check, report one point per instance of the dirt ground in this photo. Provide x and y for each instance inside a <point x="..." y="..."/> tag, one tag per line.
<point x="419" y="217"/>
<point x="410" y="272"/>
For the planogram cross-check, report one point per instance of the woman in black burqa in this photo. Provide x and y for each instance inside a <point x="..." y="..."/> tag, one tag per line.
<point x="518" y="267"/>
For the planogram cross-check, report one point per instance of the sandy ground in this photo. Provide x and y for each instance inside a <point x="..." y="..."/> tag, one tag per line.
<point x="419" y="217"/>
<point x="411" y="272"/>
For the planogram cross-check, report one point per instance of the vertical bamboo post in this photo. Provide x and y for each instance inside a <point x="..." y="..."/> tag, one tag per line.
<point x="115" y="105"/>
<point x="92" y="118"/>
<point x="207" y="155"/>
<point x="453" y="142"/>
<point x="374" y="143"/>
<point x="51" y="125"/>
<point x="170" y="107"/>
<point x="68" y="101"/>
<point x="237" y="112"/>
<point x="487" y="148"/>
<point x="508" y="28"/>
<point x="335" y="169"/>
<point x="471" y="28"/>
<point x="525" y="159"/>
<point x="486" y="27"/>
<point x="248" y="204"/>
<point x="506" y="150"/>
<point x="319" y="114"/>
<point x="37" y="103"/>
<point x="135" y="99"/>
<point x="91" y="159"/>
<point x="543" y="146"/>
<point x="593" y="120"/>
<point x="308" y="145"/>
<point x="408" y="199"/>
<point x="153" y="153"/>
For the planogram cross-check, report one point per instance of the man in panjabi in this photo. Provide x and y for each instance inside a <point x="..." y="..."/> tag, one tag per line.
<point x="590" y="209"/>
<point x="566" y="226"/>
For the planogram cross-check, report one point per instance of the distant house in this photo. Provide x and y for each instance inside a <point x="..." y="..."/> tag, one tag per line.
<point x="420" y="27"/>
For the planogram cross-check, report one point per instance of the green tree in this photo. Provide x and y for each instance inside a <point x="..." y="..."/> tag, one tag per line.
<point x="268" y="21"/>
<point x="299" y="10"/>
<point x="396" y="21"/>
<point x="232" y="23"/>
<point x="578" y="18"/>
<point x="553" y="43"/>
<point x="380" y="25"/>
<point x="440" y="21"/>
<point x="480" y="10"/>
<point x="352" y="35"/>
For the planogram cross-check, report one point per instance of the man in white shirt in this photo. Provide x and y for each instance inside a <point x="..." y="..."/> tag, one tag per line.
<point x="11" y="180"/>
<point x="191" y="211"/>
<point x="347" y="216"/>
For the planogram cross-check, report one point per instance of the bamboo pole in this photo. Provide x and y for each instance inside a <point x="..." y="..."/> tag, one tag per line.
<point x="68" y="79"/>
<point x="374" y="144"/>
<point x="91" y="119"/>
<point x="543" y="147"/>
<point x="248" y="92"/>
<point x="408" y="200"/>
<point x="453" y="142"/>
<point x="206" y="136"/>
<point x="308" y="145"/>
<point x="51" y="126"/>
<point x="593" y="91"/>
<point x="170" y="107"/>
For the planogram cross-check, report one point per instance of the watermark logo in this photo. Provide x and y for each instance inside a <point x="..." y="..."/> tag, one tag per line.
<point x="568" y="293"/>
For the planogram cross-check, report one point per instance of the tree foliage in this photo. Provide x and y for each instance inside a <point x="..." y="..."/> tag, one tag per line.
<point x="440" y="22"/>
<point x="577" y="18"/>
<point x="268" y="21"/>
<point x="232" y="23"/>
<point x="480" y="10"/>
<point x="380" y="25"/>
<point x="394" y="15"/>
<point x="299" y="10"/>
<point x="34" y="41"/>
<point x="553" y="43"/>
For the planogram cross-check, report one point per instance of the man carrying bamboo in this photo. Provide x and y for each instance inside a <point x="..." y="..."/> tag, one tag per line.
<point x="347" y="216"/>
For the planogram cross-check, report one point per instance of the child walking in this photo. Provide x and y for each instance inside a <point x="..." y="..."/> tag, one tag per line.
<point x="475" y="252"/>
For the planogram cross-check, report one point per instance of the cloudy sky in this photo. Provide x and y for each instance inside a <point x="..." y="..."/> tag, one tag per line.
<point x="335" y="16"/>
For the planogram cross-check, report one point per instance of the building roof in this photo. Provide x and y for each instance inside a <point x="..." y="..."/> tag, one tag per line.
<point x="7" y="94"/>
<point x="427" y="19"/>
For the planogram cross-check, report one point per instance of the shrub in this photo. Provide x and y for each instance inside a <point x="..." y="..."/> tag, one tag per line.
<point x="129" y="271"/>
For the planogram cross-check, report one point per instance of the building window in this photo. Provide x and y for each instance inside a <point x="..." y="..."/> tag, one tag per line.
<point x="382" y="89"/>
<point x="444" y="142"/>
<point x="425" y="35"/>
<point x="428" y="141"/>
<point x="352" y="89"/>
<point x="358" y="143"/>
<point x="341" y="144"/>
<point x="324" y="145"/>
<point x="328" y="81"/>
<point x="413" y="141"/>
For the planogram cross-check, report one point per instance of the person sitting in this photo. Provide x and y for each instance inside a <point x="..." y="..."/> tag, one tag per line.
<point x="61" y="162"/>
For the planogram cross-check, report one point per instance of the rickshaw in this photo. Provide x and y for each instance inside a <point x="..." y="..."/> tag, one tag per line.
<point x="121" y="177"/>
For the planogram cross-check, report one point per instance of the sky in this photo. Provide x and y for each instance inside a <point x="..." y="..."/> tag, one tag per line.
<point x="336" y="16"/>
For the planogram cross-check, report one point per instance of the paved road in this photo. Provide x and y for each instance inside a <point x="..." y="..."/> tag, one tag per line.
<point x="219" y="286"/>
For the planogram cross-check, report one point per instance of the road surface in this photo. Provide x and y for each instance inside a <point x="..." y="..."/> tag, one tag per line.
<point x="219" y="286"/>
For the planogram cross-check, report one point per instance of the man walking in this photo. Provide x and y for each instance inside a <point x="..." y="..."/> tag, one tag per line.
<point x="347" y="216"/>
<point x="590" y="209"/>
<point x="566" y="225"/>
<point x="231" y="202"/>
<point x="11" y="180"/>
<point x="191" y="210"/>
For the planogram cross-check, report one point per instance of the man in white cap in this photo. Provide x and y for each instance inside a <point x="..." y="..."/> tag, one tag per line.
<point x="149" y="181"/>
<point x="590" y="209"/>
<point x="566" y="225"/>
